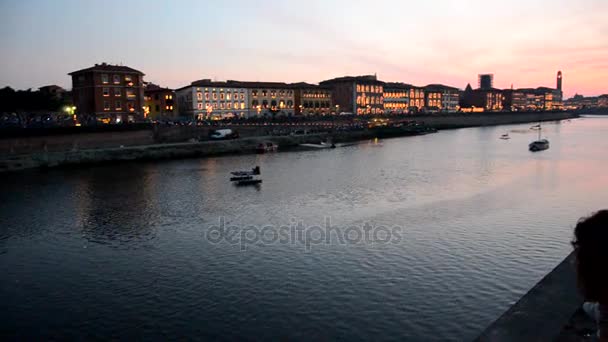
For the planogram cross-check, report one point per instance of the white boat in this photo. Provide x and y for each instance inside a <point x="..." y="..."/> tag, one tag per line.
<point x="321" y="145"/>
<point x="540" y="144"/>
<point x="505" y="136"/>
<point x="254" y="172"/>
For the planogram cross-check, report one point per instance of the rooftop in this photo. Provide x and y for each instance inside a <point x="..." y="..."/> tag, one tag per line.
<point x="364" y="78"/>
<point x="104" y="67"/>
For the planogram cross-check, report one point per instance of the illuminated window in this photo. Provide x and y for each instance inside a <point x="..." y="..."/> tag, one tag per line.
<point x="128" y="78"/>
<point x="106" y="91"/>
<point x="130" y="93"/>
<point x="236" y="105"/>
<point x="242" y="96"/>
<point x="104" y="78"/>
<point x="222" y="105"/>
<point x="200" y="106"/>
<point x="117" y="92"/>
<point x="131" y="106"/>
<point x="228" y="96"/>
<point x="254" y="93"/>
<point x="118" y="106"/>
<point x="222" y="96"/>
<point x="206" y="96"/>
<point x="214" y="96"/>
<point x="242" y="105"/>
<point x="264" y="93"/>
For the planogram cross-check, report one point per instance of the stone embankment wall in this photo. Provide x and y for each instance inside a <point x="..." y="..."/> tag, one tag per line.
<point x="19" y="153"/>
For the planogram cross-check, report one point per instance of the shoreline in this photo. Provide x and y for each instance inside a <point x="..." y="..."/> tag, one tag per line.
<point x="176" y="150"/>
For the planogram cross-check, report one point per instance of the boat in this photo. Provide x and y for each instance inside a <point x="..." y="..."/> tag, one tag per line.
<point x="539" y="144"/>
<point x="254" y="172"/>
<point x="248" y="182"/>
<point x="535" y="127"/>
<point x="266" y="147"/>
<point x="240" y="178"/>
<point x="505" y="136"/>
<point x="321" y="145"/>
<point x="246" y="177"/>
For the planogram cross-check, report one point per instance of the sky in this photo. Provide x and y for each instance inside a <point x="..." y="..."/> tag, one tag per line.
<point x="522" y="42"/>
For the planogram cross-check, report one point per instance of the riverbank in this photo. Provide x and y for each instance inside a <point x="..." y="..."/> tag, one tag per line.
<point x="55" y="151"/>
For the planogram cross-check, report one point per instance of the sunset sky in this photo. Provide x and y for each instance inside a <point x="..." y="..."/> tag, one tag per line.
<point x="523" y="42"/>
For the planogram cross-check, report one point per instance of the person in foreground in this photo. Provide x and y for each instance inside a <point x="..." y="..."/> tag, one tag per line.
<point x="591" y="251"/>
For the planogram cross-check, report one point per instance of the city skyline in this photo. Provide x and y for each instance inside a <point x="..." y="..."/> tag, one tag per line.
<point x="175" y="43"/>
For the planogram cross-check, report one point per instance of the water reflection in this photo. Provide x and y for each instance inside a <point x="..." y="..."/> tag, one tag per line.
<point x="120" y="250"/>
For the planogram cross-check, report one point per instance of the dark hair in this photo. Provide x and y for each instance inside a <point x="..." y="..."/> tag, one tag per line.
<point x="591" y="250"/>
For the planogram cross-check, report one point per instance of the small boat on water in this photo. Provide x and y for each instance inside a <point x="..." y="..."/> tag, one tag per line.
<point x="248" y="182"/>
<point x="246" y="177"/>
<point x="266" y="147"/>
<point x="539" y="144"/>
<point x="536" y="127"/>
<point x="321" y="145"/>
<point x="254" y="172"/>
<point x="505" y="136"/>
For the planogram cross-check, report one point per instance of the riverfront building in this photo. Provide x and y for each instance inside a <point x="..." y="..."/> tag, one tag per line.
<point x="108" y="94"/>
<point x="159" y="103"/>
<point x="397" y="98"/>
<point x="311" y="99"/>
<point x="445" y="98"/>
<point x="358" y="94"/>
<point x="485" y="99"/>
<point x="206" y="99"/>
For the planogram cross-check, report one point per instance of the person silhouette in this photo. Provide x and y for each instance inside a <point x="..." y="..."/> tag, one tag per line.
<point x="591" y="250"/>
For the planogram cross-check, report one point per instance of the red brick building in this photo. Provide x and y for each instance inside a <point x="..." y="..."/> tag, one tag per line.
<point x="107" y="94"/>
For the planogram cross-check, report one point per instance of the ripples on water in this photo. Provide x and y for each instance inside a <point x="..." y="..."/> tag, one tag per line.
<point x="120" y="251"/>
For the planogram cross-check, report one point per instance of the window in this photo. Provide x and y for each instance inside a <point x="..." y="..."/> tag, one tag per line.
<point x="118" y="105"/>
<point x="200" y="106"/>
<point x="254" y="93"/>
<point x="264" y="93"/>
<point x="199" y="96"/>
<point x="289" y="104"/>
<point x="106" y="91"/>
<point x="117" y="92"/>
<point x="222" y="105"/>
<point x="228" y="96"/>
<point x="265" y="104"/>
<point x="130" y="93"/>
<point x="222" y="96"/>
<point x="242" y="105"/>
<point x="116" y="79"/>
<point x="206" y="96"/>
<point x="128" y="78"/>
<point x="104" y="78"/>
<point x="242" y="96"/>
<point x="255" y="103"/>
<point x="106" y="105"/>
<point x="214" y="96"/>
<point x="131" y="106"/>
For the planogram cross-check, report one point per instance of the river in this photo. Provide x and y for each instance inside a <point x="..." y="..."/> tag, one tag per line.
<point x="417" y="238"/>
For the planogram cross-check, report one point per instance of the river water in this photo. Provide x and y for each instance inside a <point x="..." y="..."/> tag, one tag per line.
<point x="417" y="238"/>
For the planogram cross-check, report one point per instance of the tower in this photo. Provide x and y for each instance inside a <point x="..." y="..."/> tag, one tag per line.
<point x="559" y="80"/>
<point x="486" y="81"/>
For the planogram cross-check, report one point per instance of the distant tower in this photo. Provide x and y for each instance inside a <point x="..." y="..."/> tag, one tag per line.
<point x="486" y="81"/>
<point x="559" y="80"/>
